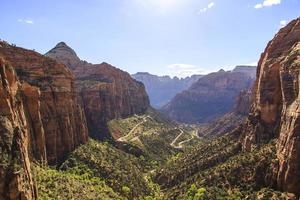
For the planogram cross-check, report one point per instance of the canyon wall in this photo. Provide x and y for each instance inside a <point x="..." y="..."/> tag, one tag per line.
<point x="56" y="121"/>
<point x="210" y="97"/>
<point x="276" y="108"/>
<point x="16" y="181"/>
<point x="105" y="92"/>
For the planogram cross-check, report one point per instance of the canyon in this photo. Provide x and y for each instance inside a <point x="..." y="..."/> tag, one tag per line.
<point x="161" y="89"/>
<point x="76" y="130"/>
<point x="211" y="96"/>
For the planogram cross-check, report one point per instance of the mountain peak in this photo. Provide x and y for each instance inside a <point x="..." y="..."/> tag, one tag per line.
<point x="61" y="44"/>
<point x="65" y="54"/>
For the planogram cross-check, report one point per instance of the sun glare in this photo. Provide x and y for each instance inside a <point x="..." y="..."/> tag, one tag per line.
<point x="161" y="6"/>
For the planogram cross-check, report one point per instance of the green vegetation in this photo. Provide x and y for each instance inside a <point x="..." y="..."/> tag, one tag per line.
<point x="211" y="169"/>
<point x="56" y="184"/>
<point x="121" y="171"/>
<point x="195" y="194"/>
<point x="152" y="134"/>
<point x="218" y="169"/>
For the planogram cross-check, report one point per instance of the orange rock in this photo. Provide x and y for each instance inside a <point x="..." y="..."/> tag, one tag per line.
<point x="106" y="92"/>
<point x="276" y="108"/>
<point x="56" y="120"/>
<point x="16" y="181"/>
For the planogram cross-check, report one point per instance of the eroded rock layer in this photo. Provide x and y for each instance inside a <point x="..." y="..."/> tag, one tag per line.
<point x="56" y="121"/>
<point x="106" y="92"/>
<point x="210" y="97"/>
<point x="15" y="176"/>
<point x="276" y="108"/>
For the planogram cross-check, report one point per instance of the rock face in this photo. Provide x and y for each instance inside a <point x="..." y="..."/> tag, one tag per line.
<point x="56" y="121"/>
<point x="106" y="92"/>
<point x="230" y="121"/>
<point x="276" y="108"/>
<point x="161" y="89"/>
<point x="15" y="177"/>
<point x="243" y="102"/>
<point x="210" y="97"/>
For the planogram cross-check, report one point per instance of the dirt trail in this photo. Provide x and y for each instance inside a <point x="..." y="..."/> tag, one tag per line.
<point x="125" y="138"/>
<point x="180" y="144"/>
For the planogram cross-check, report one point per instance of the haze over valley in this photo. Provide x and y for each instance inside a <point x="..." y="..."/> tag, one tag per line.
<point x="150" y="100"/>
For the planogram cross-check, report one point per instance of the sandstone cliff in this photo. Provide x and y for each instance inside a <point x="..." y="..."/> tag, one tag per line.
<point x="209" y="98"/>
<point x="56" y="121"/>
<point x="106" y="92"/>
<point x="15" y="176"/>
<point x="276" y="108"/>
<point x="161" y="89"/>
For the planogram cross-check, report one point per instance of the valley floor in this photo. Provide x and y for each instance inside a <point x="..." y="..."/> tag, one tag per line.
<point x="155" y="159"/>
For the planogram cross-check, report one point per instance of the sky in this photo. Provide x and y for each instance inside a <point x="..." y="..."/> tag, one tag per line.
<point x="163" y="37"/>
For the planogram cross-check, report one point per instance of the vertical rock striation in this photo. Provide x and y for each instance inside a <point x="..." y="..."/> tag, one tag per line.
<point x="55" y="119"/>
<point x="15" y="177"/>
<point x="276" y="108"/>
<point x="106" y="92"/>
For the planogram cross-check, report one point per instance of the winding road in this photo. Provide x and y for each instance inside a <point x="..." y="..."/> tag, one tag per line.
<point x="125" y="138"/>
<point x="180" y="144"/>
<point x="131" y="135"/>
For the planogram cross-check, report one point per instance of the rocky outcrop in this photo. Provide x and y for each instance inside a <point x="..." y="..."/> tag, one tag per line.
<point x="106" y="92"/>
<point x="63" y="53"/>
<point x="16" y="181"/>
<point x="243" y="102"/>
<point x="230" y="121"/>
<point x="276" y="108"/>
<point x="56" y="121"/>
<point x="161" y="89"/>
<point x="209" y="98"/>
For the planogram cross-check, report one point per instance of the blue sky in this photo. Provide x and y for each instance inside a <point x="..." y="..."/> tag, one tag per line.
<point x="174" y="37"/>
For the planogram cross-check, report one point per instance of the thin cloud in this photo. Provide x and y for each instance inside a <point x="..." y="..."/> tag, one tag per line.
<point x="26" y="21"/>
<point x="267" y="3"/>
<point x="184" y="70"/>
<point x="209" y="6"/>
<point x="282" y="23"/>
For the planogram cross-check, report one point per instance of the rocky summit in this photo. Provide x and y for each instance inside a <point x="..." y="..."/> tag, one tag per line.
<point x="105" y="92"/>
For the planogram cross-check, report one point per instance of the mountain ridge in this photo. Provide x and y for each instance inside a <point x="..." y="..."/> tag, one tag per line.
<point x="162" y="89"/>
<point x="210" y="97"/>
<point x="105" y="91"/>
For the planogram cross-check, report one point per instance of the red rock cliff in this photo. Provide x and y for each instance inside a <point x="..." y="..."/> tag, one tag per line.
<point x="106" y="92"/>
<point x="15" y="177"/>
<point x="56" y="121"/>
<point x="276" y="108"/>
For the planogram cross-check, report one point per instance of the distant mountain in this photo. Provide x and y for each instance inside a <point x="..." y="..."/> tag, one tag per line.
<point x="211" y="96"/>
<point x="228" y="122"/>
<point x="249" y="70"/>
<point x="161" y="89"/>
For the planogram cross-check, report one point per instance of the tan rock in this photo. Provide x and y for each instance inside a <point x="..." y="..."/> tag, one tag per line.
<point x="56" y="121"/>
<point x="105" y="91"/>
<point x="16" y="181"/>
<point x="276" y="108"/>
